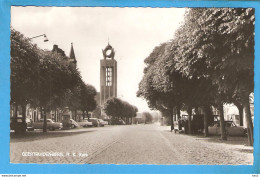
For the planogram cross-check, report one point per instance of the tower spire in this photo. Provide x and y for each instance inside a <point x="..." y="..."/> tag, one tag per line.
<point x="72" y="54"/>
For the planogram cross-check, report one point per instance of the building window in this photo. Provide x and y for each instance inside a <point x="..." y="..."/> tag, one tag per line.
<point x="108" y="76"/>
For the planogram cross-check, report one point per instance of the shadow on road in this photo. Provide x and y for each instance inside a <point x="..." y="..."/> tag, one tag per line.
<point x="232" y="140"/>
<point x="246" y="150"/>
<point x="37" y="135"/>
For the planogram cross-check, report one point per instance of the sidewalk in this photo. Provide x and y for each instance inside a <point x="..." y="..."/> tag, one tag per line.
<point x="232" y="140"/>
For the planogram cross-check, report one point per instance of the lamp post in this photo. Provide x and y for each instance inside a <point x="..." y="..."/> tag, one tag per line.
<point x="44" y="35"/>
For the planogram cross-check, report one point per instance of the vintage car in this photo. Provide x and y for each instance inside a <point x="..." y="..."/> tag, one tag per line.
<point x="105" y="122"/>
<point x="121" y="122"/>
<point x="94" y="121"/>
<point x="73" y="124"/>
<point x="18" y="122"/>
<point x="197" y="123"/>
<point x="101" y="123"/>
<point x="231" y="129"/>
<point x="85" y="123"/>
<point x="51" y="125"/>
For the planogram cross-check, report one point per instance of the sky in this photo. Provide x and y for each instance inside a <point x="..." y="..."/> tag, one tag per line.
<point x="132" y="32"/>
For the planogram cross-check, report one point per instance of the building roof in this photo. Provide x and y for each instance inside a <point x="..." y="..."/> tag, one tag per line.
<point x="58" y="50"/>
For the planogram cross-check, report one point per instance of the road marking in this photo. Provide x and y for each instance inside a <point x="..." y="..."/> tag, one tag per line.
<point x="168" y="143"/>
<point x="99" y="151"/>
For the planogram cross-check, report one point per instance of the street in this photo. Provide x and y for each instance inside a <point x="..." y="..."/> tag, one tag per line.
<point x="129" y="144"/>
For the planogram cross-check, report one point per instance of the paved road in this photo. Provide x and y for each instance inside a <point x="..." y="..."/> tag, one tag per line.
<point x="132" y="144"/>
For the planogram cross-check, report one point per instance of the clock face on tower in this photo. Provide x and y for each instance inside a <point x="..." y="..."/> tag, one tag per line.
<point x="108" y="52"/>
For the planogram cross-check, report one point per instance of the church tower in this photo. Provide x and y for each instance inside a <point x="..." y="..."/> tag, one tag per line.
<point x="108" y="75"/>
<point x="72" y="57"/>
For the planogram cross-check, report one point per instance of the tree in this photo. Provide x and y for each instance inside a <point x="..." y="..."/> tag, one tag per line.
<point x="217" y="44"/>
<point x="24" y="62"/>
<point x="157" y="87"/>
<point x="97" y="112"/>
<point x="42" y="78"/>
<point x="117" y="108"/>
<point x="228" y="54"/>
<point x="212" y="53"/>
<point x="148" y="118"/>
<point x="87" y="100"/>
<point x="55" y="77"/>
<point x="112" y="108"/>
<point x="187" y="61"/>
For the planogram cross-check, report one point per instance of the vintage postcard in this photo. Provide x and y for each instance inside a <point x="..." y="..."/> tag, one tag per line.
<point x="166" y="86"/>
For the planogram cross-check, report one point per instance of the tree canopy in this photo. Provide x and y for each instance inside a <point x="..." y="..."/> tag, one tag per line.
<point x="46" y="79"/>
<point x="117" y="108"/>
<point x="210" y="61"/>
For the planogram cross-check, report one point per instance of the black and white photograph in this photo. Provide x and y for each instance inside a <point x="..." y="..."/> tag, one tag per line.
<point x="140" y="85"/>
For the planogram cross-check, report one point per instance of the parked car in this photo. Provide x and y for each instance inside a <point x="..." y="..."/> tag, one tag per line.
<point x="94" y="121"/>
<point x="101" y="123"/>
<point x="118" y="122"/>
<point x="51" y="125"/>
<point x="121" y="122"/>
<point x="105" y="122"/>
<point x="19" y="121"/>
<point x="197" y="123"/>
<point x="231" y="129"/>
<point x="73" y="124"/>
<point x="85" y="123"/>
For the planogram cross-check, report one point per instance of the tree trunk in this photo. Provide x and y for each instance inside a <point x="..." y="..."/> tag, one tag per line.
<point x="41" y="115"/>
<point x="87" y="115"/>
<point x="75" y="112"/>
<point x="241" y="120"/>
<point x="206" y="118"/>
<point x="23" y="113"/>
<point x="22" y="127"/>
<point x="249" y="122"/>
<point x="15" y="112"/>
<point x="222" y="123"/>
<point x="55" y="115"/>
<point x="44" y="120"/>
<point x="196" y="110"/>
<point x="83" y="114"/>
<point x="59" y="115"/>
<point x="189" y="118"/>
<point x="113" y="120"/>
<point x="178" y="113"/>
<point x="240" y="109"/>
<point x="171" y="118"/>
